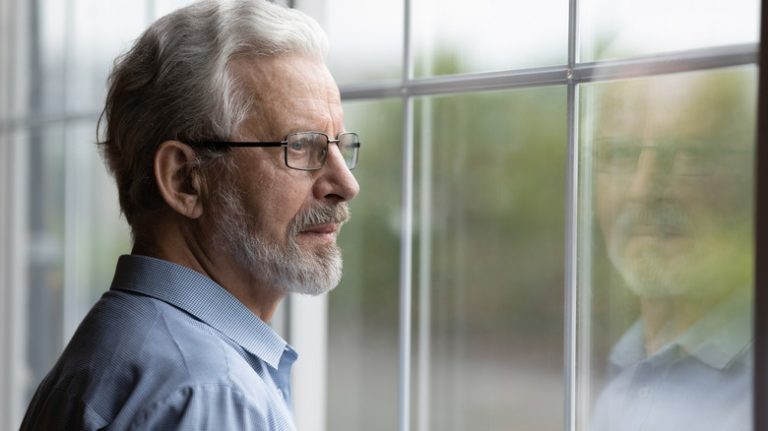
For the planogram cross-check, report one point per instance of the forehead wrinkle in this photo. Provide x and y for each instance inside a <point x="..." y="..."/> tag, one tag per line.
<point x="292" y="94"/>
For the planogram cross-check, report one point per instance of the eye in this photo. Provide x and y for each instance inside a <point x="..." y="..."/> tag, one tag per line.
<point x="298" y="145"/>
<point x="620" y="154"/>
<point x="617" y="155"/>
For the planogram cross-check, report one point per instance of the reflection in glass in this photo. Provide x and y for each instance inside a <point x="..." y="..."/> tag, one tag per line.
<point x="612" y="29"/>
<point x="490" y="240"/>
<point x="670" y="161"/>
<point x="363" y="309"/>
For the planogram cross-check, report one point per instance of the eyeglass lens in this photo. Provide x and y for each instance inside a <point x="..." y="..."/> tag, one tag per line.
<point x="308" y="150"/>
<point x="699" y="159"/>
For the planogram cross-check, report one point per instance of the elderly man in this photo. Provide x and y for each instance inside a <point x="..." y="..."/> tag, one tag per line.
<point x="673" y="159"/>
<point x="224" y="132"/>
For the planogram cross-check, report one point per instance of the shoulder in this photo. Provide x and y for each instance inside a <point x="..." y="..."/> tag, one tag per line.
<point x="140" y="336"/>
<point x="131" y="351"/>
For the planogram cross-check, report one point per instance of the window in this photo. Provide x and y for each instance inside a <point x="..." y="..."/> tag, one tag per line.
<point x="554" y="189"/>
<point x="61" y="227"/>
<point x="555" y="228"/>
<point x="667" y="250"/>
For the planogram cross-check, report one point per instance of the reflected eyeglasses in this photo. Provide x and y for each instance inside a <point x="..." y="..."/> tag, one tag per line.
<point x="621" y="157"/>
<point x="305" y="151"/>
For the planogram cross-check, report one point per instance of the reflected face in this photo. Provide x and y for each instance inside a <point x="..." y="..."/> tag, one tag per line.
<point x="278" y="223"/>
<point x="673" y="158"/>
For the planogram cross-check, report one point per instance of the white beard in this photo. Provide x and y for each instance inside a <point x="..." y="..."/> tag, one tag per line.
<point x="703" y="262"/>
<point x="288" y="268"/>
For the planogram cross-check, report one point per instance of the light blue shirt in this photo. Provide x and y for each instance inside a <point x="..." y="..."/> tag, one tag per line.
<point x="702" y="381"/>
<point x="166" y="348"/>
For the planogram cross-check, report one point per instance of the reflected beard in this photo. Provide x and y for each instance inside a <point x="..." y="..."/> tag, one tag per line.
<point x="686" y="258"/>
<point x="289" y="267"/>
<point x="653" y="267"/>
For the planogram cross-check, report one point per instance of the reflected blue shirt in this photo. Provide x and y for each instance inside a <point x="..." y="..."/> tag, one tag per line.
<point x="702" y="381"/>
<point x="166" y="348"/>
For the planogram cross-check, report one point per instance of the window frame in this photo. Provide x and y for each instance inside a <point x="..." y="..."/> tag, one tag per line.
<point x="572" y="75"/>
<point x="760" y="377"/>
<point x="13" y="211"/>
<point x="301" y="315"/>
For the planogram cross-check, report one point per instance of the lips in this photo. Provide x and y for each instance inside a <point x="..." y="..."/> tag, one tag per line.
<point x="662" y="230"/>
<point x="653" y="220"/>
<point x="322" y="229"/>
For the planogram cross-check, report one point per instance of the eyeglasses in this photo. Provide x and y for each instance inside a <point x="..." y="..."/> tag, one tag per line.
<point x="620" y="157"/>
<point x="305" y="151"/>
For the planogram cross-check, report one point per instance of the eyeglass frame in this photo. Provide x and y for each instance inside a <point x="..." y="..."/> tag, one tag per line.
<point x="669" y="153"/>
<point x="284" y="145"/>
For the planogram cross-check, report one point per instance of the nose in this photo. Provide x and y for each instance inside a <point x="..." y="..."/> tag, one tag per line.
<point x="648" y="180"/>
<point x="335" y="182"/>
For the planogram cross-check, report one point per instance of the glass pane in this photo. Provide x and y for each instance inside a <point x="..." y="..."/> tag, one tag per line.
<point x="620" y="28"/>
<point x="48" y="34"/>
<point x="164" y="7"/>
<point x="14" y="56"/>
<point x="99" y="234"/>
<point x="100" y="32"/>
<point x="363" y="310"/>
<point x="45" y="273"/>
<point x="490" y="274"/>
<point x="75" y="236"/>
<point x="366" y="39"/>
<point x="666" y="252"/>
<point x="451" y="36"/>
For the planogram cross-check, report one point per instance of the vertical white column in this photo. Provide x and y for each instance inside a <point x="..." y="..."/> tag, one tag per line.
<point x="308" y="334"/>
<point x="406" y="262"/>
<point x="571" y="399"/>
<point x="424" y="328"/>
<point x="5" y="178"/>
<point x="14" y="52"/>
<point x="425" y="268"/>
<point x="406" y="233"/>
<point x="74" y="195"/>
<point x="16" y="278"/>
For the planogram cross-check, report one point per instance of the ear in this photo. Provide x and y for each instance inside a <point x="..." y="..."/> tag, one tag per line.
<point x="177" y="180"/>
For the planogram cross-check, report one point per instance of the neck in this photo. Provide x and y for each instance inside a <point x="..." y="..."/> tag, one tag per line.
<point x="667" y="318"/>
<point x="174" y="241"/>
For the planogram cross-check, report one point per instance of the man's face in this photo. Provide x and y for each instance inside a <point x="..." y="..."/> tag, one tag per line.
<point x="673" y="159"/>
<point x="278" y="223"/>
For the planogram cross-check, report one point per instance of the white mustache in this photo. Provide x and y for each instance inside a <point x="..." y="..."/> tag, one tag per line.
<point x="667" y="218"/>
<point x="319" y="215"/>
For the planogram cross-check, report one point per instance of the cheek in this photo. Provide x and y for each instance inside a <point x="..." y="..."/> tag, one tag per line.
<point x="608" y="202"/>
<point x="284" y="201"/>
<point x="719" y="203"/>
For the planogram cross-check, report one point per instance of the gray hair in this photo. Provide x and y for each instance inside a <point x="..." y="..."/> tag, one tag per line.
<point x="177" y="83"/>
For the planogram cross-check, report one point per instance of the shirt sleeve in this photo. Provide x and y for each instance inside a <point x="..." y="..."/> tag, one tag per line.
<point x="207" y="407"/>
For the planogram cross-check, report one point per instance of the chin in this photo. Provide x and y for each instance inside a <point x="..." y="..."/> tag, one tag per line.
<point x="313" y="274"/>
<point x="672" y="272"/>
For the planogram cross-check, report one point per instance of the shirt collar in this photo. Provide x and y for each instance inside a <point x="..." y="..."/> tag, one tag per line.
<point x="718" y="339"/>
<point x="204" y="299"/>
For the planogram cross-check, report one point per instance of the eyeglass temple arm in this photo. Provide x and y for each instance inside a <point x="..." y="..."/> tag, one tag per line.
<point x="225" y="144"/>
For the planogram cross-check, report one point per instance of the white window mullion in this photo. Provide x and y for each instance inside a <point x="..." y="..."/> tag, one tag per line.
<point x="425" y="268"/>
<point x="571" y="397"/>
<point x="406" y="234"/>
<point x="308" y="334"/>
<point x="14" y="53"/>
<point x="406" y="267"/>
